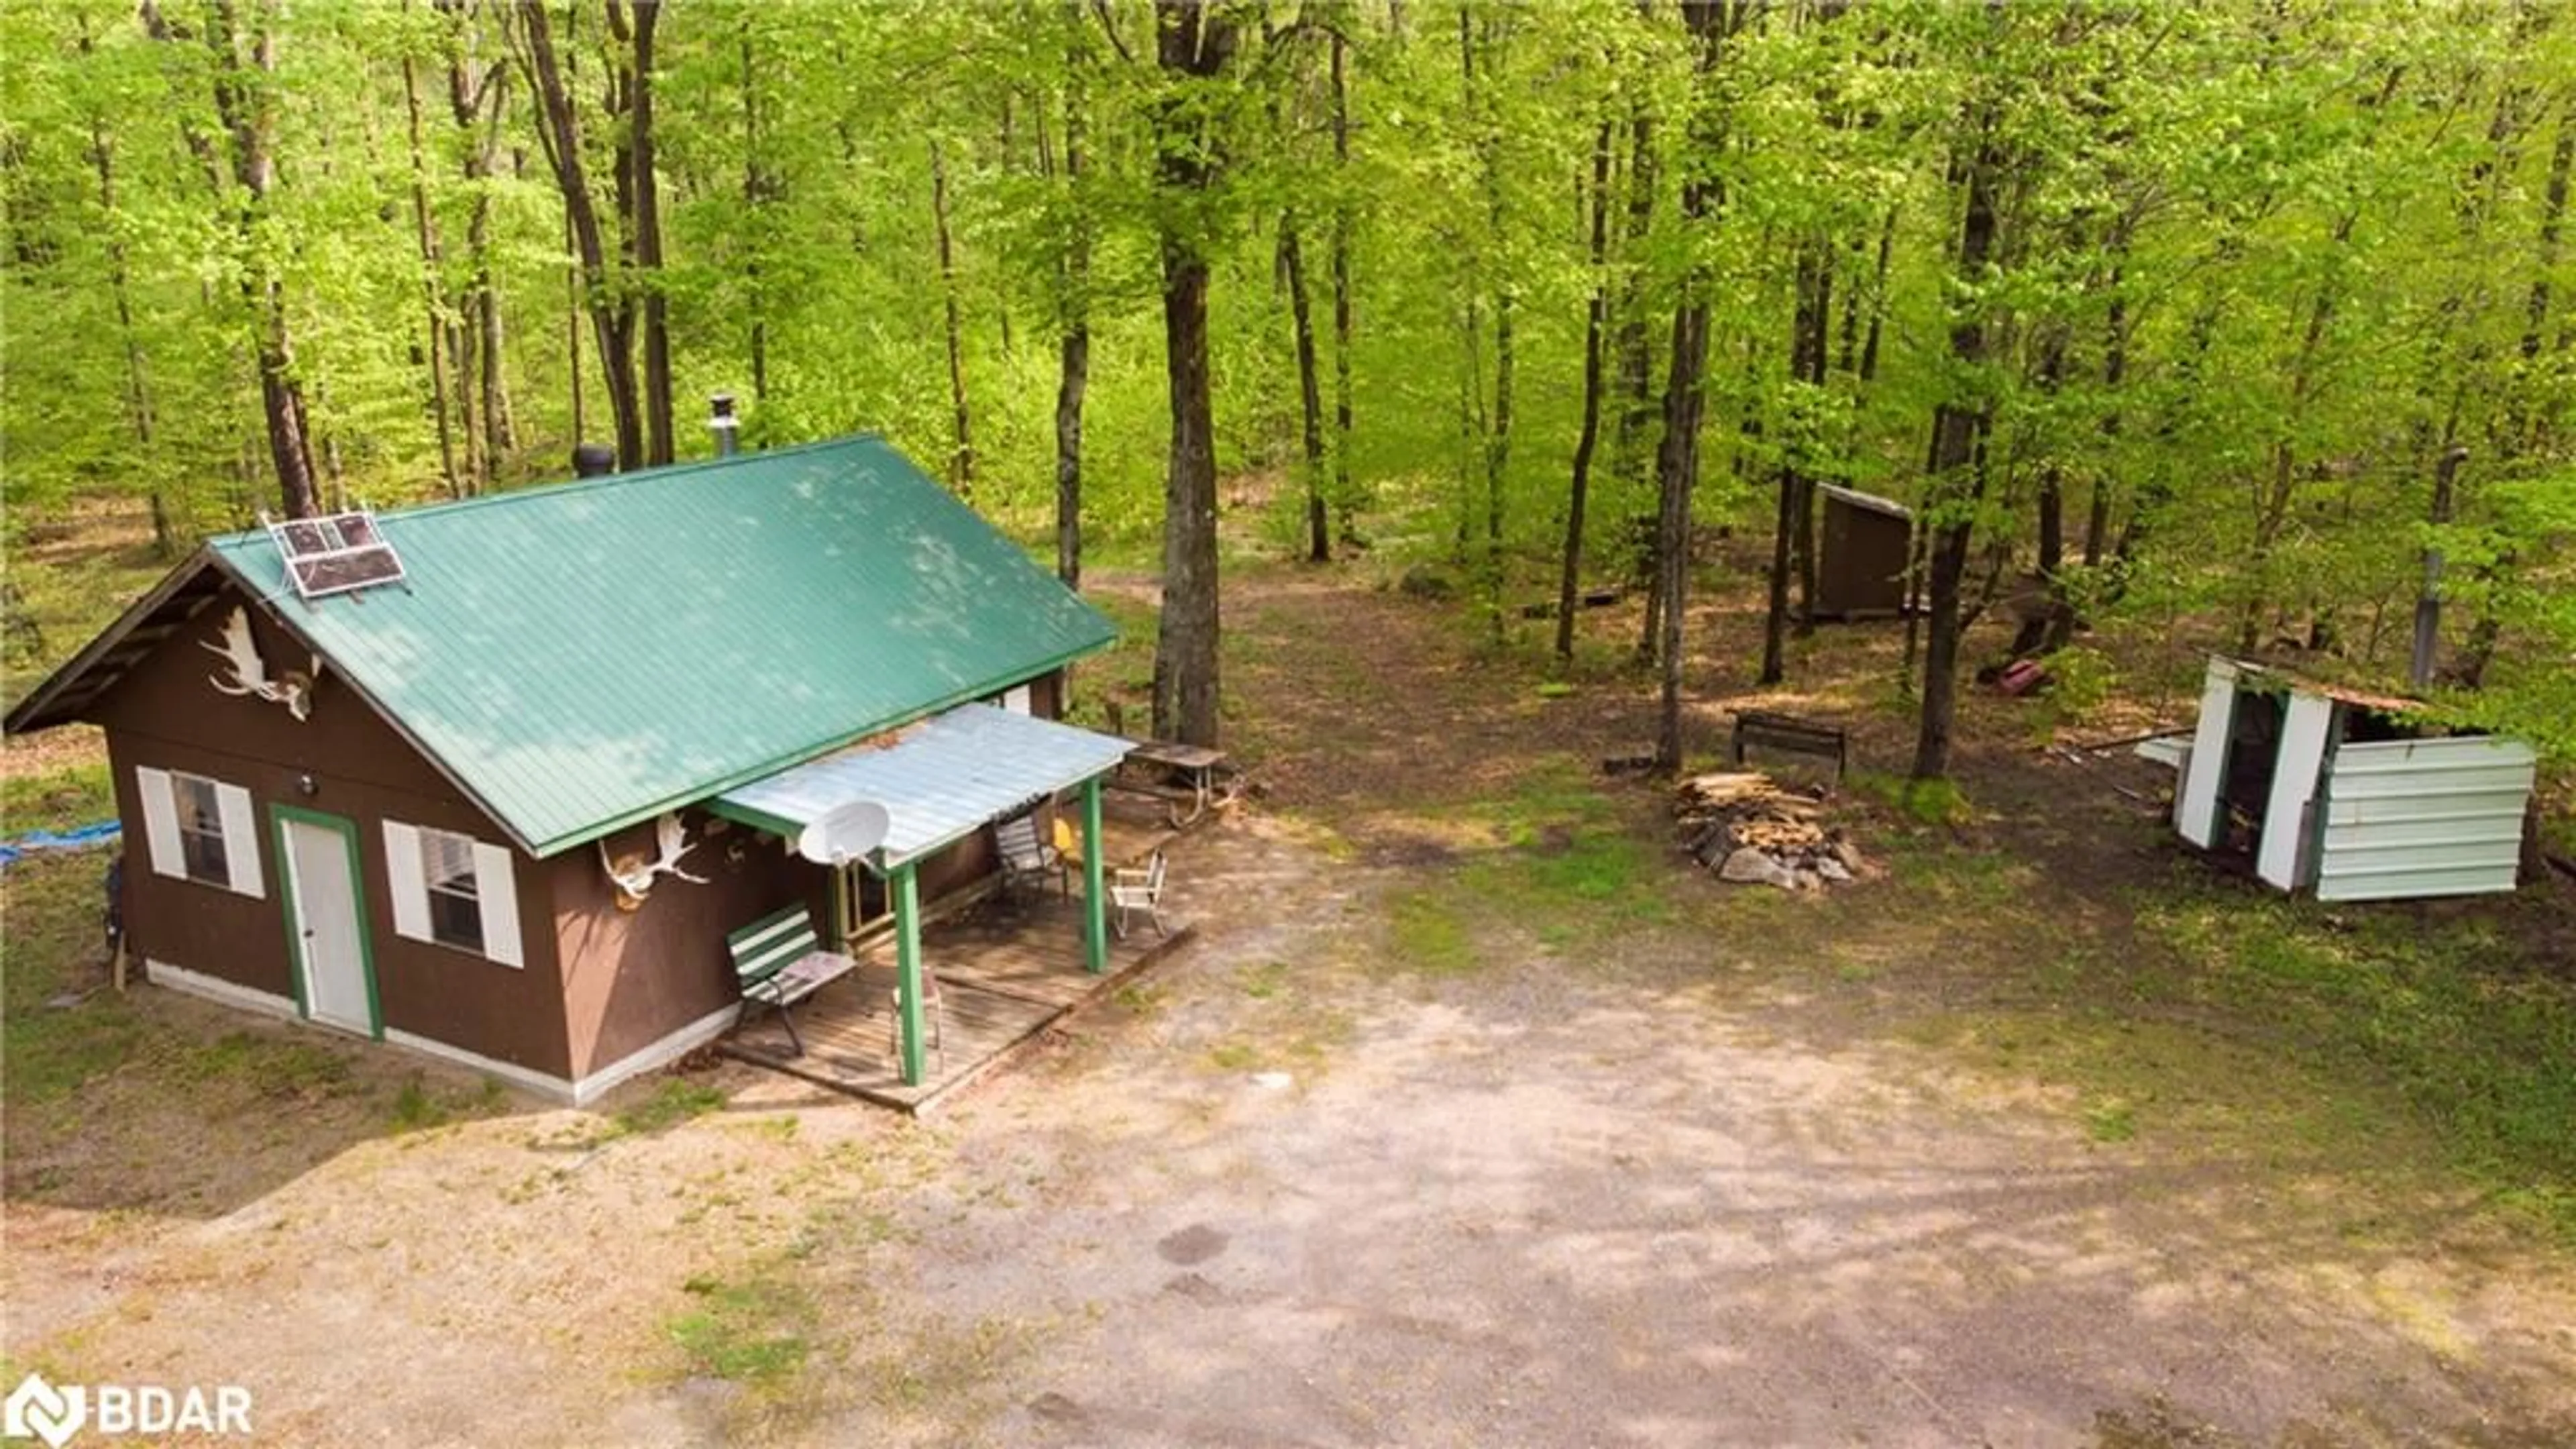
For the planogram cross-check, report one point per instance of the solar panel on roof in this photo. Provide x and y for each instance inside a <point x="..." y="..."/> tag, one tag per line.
<point x="334" y="554"/>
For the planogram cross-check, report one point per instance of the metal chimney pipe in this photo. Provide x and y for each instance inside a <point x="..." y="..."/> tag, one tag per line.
<point x="2428" y="605"/>
<point x="593" y="460"/>
<point x="724" y="424"/>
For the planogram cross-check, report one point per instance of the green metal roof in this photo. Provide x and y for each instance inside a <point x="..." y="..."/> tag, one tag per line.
<point x="584" y="656"/>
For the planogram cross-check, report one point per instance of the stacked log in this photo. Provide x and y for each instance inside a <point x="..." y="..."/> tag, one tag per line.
<point x="1749" y="829"/>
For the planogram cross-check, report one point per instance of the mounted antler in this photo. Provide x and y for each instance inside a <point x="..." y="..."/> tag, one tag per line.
<point x="635" y="875"/>
<point x="250" y="672"/>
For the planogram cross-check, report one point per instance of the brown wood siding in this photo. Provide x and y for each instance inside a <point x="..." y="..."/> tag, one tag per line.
<point x="1861" y="565"/>
<point x="634" y="977"/>
<point x="166" y="714"/>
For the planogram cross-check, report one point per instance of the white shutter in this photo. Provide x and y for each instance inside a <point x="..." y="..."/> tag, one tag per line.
<point x="410" y="890"/>
<point x="160" y="821"/>
<point x="1016" y="699"/>
<point x="241" y="839"/>
<point x="497" y="888"/>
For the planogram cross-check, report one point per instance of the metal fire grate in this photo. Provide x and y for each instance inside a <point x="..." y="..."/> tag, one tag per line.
<point x="338" y="553"/>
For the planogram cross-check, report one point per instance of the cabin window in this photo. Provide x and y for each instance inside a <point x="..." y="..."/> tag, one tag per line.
<point x="453" y="890"/>
<point x="199" y="829"/>
<point x="447" y="873"/>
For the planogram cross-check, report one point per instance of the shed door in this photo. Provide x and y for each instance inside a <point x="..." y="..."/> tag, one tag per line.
<point x="323" y="926"/>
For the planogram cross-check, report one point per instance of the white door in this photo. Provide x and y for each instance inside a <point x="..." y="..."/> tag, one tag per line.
<point x="324" y="920"/>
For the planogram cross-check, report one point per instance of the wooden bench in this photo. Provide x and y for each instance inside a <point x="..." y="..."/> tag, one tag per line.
<point x="1785" y="732"/>
<point x="780" y="961"/>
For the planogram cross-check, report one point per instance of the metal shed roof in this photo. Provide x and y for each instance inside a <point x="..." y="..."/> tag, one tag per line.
<point x="581" y="657"/>
<point x="938" y="781"/>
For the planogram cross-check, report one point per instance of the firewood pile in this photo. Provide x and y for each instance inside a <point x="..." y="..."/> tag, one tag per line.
<point x="1751" y="830"/>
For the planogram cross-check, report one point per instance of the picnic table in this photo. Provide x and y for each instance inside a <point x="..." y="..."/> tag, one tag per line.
<point x="1189" y="774"/>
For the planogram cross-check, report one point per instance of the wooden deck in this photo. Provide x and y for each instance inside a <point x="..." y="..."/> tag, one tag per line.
<point x="1006" y="968"/>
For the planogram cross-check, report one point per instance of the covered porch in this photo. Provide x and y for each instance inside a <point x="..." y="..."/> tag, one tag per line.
<point x="1007" y="967"/>
<point x="886" y="805"/>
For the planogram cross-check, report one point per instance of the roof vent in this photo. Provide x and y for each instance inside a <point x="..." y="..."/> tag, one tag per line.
<point x="593" y="460"/>
<point x="338" y="553"/>
<point x="722" y="422"/>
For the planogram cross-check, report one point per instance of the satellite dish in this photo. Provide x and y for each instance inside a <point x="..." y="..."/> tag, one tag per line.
<point x="845" y="834"/>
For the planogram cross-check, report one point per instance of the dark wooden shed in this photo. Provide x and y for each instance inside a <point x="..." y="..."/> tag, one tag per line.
<point x="1861" y="559"/>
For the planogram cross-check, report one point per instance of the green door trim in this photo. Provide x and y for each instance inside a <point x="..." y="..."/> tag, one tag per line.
<point x="347" y="830"/>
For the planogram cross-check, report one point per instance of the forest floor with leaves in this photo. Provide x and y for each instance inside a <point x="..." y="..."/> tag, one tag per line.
<point x="1473" y="1113"/>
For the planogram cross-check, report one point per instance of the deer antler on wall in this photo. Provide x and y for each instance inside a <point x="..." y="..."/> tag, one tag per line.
<point x="635" y="875"/>
<point x="294" y="689"/>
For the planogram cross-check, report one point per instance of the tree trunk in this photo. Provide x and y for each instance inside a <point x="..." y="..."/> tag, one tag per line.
<point x="1345" y="501"/>
<point x="1073" y="375"/>
<point x="138" y="391"/>
<point x="1867" y="370"/>
<point x="1596" y="320"/>
<point x="760" y="186"/>
<point x="2115" y="368"/>
<point x="1685" y="394"/>
<point x="961" y="458"/>
<point x="1193" y="45"/>
<point x="2040" y="625"/>
<point x="1636" y="369"/>
<point x="1955" y="432"/>
<point x="244" y="104"/>
<point x="1793" y="538"/>
<point x="648" y="242"/>
<point x="560" y="135"/>
<point x="1319" y="540"/>
<point x="477" y="101"/>
<point x="1802" y="512"/>
<point x="1498" y="453"/>
<point x="2272" y="501"/>
<point x="425" y="234"/>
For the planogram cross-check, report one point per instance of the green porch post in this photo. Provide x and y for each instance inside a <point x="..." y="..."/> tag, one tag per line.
<point x="1095" y="912"/>
<point x="907" y="967"/>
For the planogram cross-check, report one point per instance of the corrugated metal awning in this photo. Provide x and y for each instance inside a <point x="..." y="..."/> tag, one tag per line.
<point x="938" y="780"/>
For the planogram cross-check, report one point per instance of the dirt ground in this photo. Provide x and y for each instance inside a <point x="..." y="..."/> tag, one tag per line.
<point x="1649" y="1186"/>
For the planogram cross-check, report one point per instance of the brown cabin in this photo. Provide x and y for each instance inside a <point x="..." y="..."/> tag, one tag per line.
<point x="382" y="773"/>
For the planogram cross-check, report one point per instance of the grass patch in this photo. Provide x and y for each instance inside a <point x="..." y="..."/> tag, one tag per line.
<point x="418" y="1107"/>
<point x="76" y="795"/>
<point x="1925" y="802"/>
<point x="938" y="1369"/>
<point x="674" y="1101"/>
<point x="2478" y="1047"/>
<point x="2111" y="1122"/>
<point x="51" y="904"/>
<point x="1428" y="934"/>
<point x="269" y="1066"/>
<point x="758" y="1332"/>
<point x="1234" y="1056"/>
<point x="1140" y="998"/>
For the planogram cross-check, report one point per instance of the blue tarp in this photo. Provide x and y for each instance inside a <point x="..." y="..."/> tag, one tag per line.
<point x="82" y="838"/>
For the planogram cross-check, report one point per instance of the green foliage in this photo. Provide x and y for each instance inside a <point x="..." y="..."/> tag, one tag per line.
<point x="2255" y="272"/>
